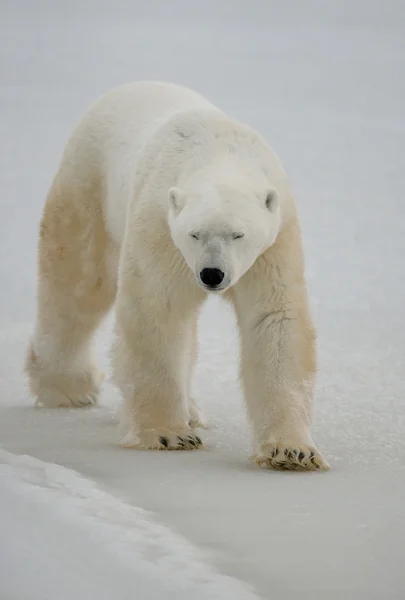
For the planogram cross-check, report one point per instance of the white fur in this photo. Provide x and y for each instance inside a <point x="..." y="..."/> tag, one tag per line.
<point x="155" y="185"/>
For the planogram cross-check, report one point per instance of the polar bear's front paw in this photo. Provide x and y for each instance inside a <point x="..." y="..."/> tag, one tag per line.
<point x="154" y="439"/>
<point x="290" y="458"/>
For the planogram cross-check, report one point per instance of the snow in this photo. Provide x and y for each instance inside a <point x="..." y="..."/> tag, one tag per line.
<point x="323" y="82"/>
<point x="90" y="544"/>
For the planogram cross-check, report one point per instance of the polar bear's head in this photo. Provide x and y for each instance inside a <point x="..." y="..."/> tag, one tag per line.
<point x="221" y="231"/>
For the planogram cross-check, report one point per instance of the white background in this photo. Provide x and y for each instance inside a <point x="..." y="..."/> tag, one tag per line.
<point x="324" y="82"/>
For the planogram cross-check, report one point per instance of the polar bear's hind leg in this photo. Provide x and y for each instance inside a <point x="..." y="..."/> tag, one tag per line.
<point x="77" y="266"/>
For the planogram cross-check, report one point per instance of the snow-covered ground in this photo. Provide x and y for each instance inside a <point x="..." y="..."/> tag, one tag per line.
<point x="81" y="518"/>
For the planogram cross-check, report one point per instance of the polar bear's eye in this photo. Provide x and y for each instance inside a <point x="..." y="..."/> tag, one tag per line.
<point x="237" y="236"/>
<point x="194" y="236"/>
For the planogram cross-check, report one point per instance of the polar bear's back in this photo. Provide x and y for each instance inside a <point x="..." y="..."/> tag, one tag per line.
<point x="123" y="120"/>
<point x="108" y="141"/>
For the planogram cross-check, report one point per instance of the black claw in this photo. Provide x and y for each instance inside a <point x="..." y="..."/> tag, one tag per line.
<point x="163" y="441"/>
<point x="312" y="455"/>
<point x="274" y="452"/>
<point x="191" y="441"/>
<point x="301" y="455"/>
<point x="295" y="452"/>
<point x="198" y="440"/>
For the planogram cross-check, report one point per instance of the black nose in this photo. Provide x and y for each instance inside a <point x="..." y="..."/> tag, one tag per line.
<point x="211" y="277"/>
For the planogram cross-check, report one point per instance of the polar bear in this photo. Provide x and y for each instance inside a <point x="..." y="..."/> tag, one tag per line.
<point x="161" y="199"/>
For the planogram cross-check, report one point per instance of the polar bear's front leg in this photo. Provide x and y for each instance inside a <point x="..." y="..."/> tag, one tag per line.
<point x="279" y="357"/>
<point x="196" y="416"/>
<point x="151" y="362"/>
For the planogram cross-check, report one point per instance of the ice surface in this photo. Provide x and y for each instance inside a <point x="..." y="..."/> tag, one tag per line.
<point x="323" y="82"/>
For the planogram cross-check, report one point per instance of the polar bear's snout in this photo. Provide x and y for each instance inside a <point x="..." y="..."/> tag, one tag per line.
<point x="212" y="278"/>
<point x="213" y="268"/>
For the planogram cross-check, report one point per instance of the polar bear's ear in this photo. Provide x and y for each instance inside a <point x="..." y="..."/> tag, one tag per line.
<point x="177" y="199"/>
<point x="272" y="200"/>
